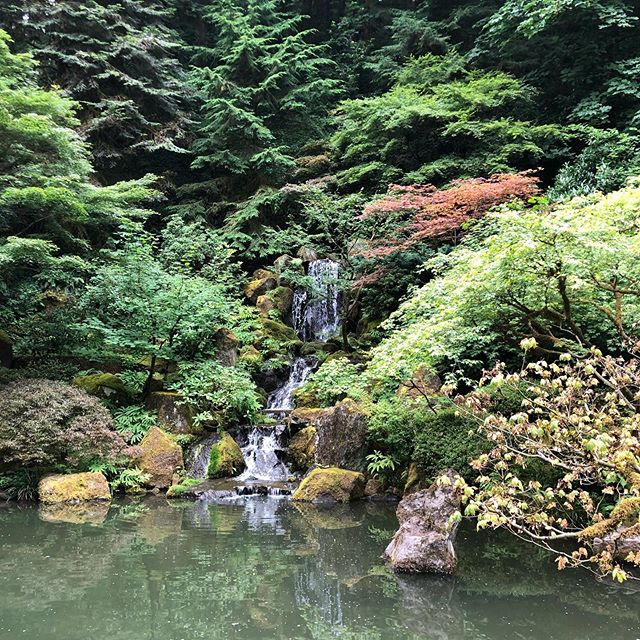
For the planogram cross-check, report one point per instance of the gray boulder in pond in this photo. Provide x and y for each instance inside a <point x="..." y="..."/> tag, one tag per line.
<point x="424" y="541"/>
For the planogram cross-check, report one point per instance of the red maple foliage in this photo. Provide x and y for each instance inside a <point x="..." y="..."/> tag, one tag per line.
<point x="437" y="216"/>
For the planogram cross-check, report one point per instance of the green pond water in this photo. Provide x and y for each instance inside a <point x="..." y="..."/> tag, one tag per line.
<point x="263" y="568"/>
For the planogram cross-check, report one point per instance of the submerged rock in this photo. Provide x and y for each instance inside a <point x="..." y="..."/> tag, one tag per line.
<point x="160" y="458"/>
<point x="226" y="458"/>
<point x="424" y="541"/>
<point x="302" y="448"/>
<point x="330" y="485"/>
<point x="88" y="512"/>
<point x="73" y="487"/>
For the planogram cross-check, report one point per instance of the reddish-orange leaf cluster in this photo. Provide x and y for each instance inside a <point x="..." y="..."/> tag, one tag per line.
<point x="438" y="215"/>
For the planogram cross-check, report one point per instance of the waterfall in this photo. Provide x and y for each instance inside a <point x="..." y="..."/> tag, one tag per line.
<point x="282" y="398"/>
<point x="317" y="316"/>
<point x="264" y="447"/>
<point x="197" y="461"/>
<point x="261" y="455"/>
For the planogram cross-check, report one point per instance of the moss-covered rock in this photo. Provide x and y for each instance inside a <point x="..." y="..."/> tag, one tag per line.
<point x="174" y="415"/>
<point x="226" y="458"/>
<point x="182" y="488"/>
<point x="276" y="337"/>
<point x="311" y="348"/>
<point x="304" y="416"/>
<point x="262" y="282"/>
<point x="103" y="385"/>
<point x="73" y="487"/>
<point x="342" y="436"/>
<point x="331" y="485"/>
<point x="282" y="299"/>
<point x="265" y="305"/>
<point x="307" y="254"/>
<point x="251" y="356"/>
<point x="415" y="480"/>
<point x="160" y="458"/>
<point x="302" y="449"/>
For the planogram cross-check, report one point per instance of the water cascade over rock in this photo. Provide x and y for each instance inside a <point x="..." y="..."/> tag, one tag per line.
<point x="316" y="315"/>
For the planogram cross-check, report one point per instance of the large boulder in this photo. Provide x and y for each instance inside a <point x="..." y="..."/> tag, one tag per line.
<point x="160" y="458"/>
<point x="174" y="415"/>
<point x="262" y="282"/>
<point x="226" y="458"/>
<point x="424" y="541"/>
<point x="73" y="487"/>
<point x="302" y="449"/>
<point x="330" y="485"/>
<point x="342" y="436"/>
<point x="227" y="347"/>
<point x="106" y="386"/>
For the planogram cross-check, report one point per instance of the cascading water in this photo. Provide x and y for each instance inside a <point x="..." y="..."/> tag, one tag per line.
<point x="261" y="456"/>
<point x="282" y="398"/>
<point x="316" y="316"/>
<point x="197" y="461"/>
<point x="264" y="448"/>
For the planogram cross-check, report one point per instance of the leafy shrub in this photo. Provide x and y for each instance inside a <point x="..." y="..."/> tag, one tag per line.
<point x="44" y="423"/>
<point x="221" y="394"/>
<point x="121" y="478"/>
<point x="133" y="422"/>
<point x="335" y="380"/>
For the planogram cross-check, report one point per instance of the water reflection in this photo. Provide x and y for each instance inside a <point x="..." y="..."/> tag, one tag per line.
<point x="265" y="568"/>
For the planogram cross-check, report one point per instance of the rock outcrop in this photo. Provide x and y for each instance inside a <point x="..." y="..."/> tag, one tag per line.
<point x="226" y="458"/>
<point x="302" y="449"/>
<point x="160" y="458"/>
<point x="73" y="487"/>
<point x="330" y="485"/>
<point x="227" y="347"/>
<point x="174" y="415"/>
<point x="262" y="282"/>
<point x="424" y="541"/>
<point x="342" y="436"/>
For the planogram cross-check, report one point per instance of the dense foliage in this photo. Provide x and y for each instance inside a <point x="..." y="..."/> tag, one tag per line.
<point x="45" y="423"/>
<point x="471" y="166"/>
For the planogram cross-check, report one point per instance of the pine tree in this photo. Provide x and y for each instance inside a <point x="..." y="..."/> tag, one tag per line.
<point x="119" y="60"/>
<point x="266" y="90"/>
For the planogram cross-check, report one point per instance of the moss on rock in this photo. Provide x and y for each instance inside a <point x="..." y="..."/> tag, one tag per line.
<point x="160" y="458"/>
<point x="331" y="485"/>
<point x="181" y="488"/>
<point x="173" y="413"/>
<point x="226" y="458"/>
<point x="73" y="487"/>
<point x="302" y="448"/>
<point x="103" y="385"/>
<point x="262" y="282"/>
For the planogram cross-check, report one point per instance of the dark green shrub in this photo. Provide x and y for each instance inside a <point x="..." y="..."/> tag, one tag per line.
<point x="448" y="439"/>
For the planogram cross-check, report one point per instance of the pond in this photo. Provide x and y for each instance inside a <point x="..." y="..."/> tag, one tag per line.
<point x="264" y="568"/>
